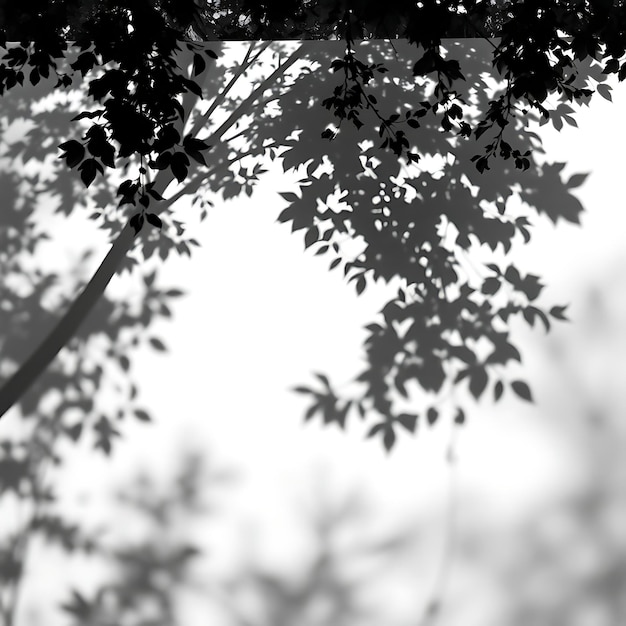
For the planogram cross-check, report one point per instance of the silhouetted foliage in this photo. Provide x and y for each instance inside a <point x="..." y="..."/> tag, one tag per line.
<point x="140" y="68"/>
<point x="449" y="321"/>
<point x="140" y="63"/>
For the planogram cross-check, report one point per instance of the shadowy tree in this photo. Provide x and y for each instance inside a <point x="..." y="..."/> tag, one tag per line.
<point x="141" y="62"/>
<point x="425" y="228"/>
<point x="144" y="65"/>
<point x="89" y="387"/>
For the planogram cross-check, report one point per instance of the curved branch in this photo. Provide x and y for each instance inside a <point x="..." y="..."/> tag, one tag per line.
<point x="65" y="329"/>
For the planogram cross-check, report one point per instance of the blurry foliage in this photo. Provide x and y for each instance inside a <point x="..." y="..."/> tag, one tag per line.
<point x="565" y="558"/>
<point x="151" y="572"/>
<point x="148" y="575"/>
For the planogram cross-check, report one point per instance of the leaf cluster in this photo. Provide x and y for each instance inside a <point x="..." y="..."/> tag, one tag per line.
<point x="446" y="326"/>
<point x="130" y="55"/>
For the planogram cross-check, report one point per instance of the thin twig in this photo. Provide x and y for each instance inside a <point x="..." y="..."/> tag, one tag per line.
<point x="221" y="96"/>
<point x="195" y="183"/>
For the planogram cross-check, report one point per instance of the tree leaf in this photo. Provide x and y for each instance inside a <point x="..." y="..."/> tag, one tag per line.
<point x="389" y="438"/>
<point x="558" y="312"/>
<point x="497" y="390"/>
<point x="408" y="421"/>
<point x="74" y="432"/>
<point x="478" y="382"/>
<point x="157" y="344"/>
<point x="136" y="221"/>
<point x="174" y="293"/>
<point x="88" y="170"/>
<point x="199" y="64"/>
<point x="460" y="417"/>
<point x="311" y="236"/>
<point x="289" y="196"/>
<point x="522" y="390"/>
<point x="154" y="219"/>
<point x="432" y="415"/>
<point x="374" y="430"/>
<point x="301" y="389"/>
<point x="142" y="415"/>
<point x="360" y="284"/>
<point x="324" y="379"/>
<point x="576" y="180"/>
<point x="605" y="91"/>
<point x="491" y="285"/>
<point x="310" y="412"/>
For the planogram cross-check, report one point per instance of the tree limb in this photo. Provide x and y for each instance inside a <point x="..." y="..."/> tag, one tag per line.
<point x="67" y="326"/>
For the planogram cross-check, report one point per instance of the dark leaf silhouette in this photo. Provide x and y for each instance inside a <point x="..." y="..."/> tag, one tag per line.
<point x="157" y="344"/>
<point x="142" y="415"/>
<point x="432" y="415"/>
<point x="498" y="390"/>
<point x="522" y="390"/>
<point x="477" y="382"/>
<point x="460" y="417"/>
<point x="389" y="437"/>
<point x="558" y="312"/>
<point x="408" y="421"/>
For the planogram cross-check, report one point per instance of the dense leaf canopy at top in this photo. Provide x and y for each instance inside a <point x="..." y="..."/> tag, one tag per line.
<point x="248" y="19"/>
<point x="540" y="44"/>
<point x="130" y="55"/>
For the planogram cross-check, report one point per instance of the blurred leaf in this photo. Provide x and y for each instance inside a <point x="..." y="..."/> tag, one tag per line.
<point x="432" y="415"/>
<point x="408" y="421"/>
<point x="389" y="437"/>
<point x="522" y="390"/>
<point x="460" y="417"/>
<point x="142" y="415"/>
<point x="558" y="312"/>
<point x="498" y="390"/>
<point x="157" y="344"/>
<point x="79" y="607"/>
<point x="478" y="382"/>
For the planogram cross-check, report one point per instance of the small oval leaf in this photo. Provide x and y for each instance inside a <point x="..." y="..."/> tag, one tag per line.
<point x="522" y="390"/>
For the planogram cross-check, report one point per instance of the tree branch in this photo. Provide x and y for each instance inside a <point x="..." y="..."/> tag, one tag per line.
<point x="245" y="106"/>
<point x="44" y="354"/>
<point x="204" y="118"/>
<point x="194" y="183"/>
<point x="240" y="111"/>
<point x="67" y="326"/>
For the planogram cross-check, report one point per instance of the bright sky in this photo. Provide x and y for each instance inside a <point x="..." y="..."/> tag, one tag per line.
<point x="261" y="315"/>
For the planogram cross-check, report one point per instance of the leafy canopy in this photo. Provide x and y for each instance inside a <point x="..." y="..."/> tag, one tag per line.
<point x="442" y="326"/>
